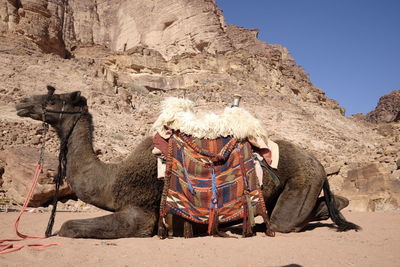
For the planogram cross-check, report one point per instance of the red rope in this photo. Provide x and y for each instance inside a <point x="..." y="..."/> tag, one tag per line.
<point x="9" y="247"/>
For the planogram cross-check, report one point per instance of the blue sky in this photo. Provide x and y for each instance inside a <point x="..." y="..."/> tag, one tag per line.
<point x="350" y="48"/>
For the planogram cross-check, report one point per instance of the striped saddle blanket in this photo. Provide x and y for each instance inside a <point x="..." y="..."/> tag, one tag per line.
<point x="211" y="181"/>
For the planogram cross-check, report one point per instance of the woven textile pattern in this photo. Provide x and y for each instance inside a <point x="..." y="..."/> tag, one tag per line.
<point x="191" y="167"/>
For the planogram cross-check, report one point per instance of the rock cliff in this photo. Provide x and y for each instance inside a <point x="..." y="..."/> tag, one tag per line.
<point x="170" y="27"/>
<point x="126" y="56"/>
<point x="387" y="110"/>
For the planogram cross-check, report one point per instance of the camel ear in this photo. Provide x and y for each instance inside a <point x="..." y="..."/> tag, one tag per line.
<point x="50" y="90"/>
<point x="75" y="97"/>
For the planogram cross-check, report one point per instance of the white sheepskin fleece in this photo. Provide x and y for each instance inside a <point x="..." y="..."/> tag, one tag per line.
<point x="178" y="114"/>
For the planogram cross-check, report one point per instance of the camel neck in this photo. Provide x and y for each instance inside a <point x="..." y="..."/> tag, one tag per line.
<point x="86" y="174"/>
<point x="80" y="144"/>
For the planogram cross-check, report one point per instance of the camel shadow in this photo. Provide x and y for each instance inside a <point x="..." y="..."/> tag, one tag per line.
<point x="260" y="227"/>
<point x="238" y="228"/>
<point x="312" y="226"/>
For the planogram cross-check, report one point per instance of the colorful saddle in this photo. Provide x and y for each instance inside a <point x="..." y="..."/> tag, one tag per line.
<point x="211" y="181"/>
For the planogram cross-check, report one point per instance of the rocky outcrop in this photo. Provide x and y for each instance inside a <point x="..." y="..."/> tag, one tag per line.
<point x="126" y="56"/>
<point x="372" y="188"/>
<point x="387" y="110"/>
<point x="170" y="27"/>
<point x="163" y="41"/>
<point x="18" y="175"/>
<point x="38" y="20"/>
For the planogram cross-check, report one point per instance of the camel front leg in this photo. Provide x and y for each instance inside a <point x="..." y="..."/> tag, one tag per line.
<point x="294" y="206"/>
<point x="130" y="222"/>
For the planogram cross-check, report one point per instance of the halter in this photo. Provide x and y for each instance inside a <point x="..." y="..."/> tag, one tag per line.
<point x="62" y="111"/>
<point x="62" y="157"/>
<point x="50" y="93"/>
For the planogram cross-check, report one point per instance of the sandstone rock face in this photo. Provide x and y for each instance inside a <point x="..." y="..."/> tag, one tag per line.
<point x="126" y="56"/>
<point x="18" y="175"/>
<point x="372" y="188"/>
<point x="171" y="27"/>
<point x="188" y="30"/>
<point x="388" y="109"/>
<point x="39" y="20"/>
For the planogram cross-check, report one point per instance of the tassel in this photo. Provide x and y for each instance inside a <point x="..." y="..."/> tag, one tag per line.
<point x="187" y="229"/>
<point x="247" y="229"/>
<point x="162" y="229"/>
<point x="211" y="221"/>
<point x="169" y="224"/>
<point x="162" y="226"/>
<point x="265" y="216"/>
<point x="251" y="211"/>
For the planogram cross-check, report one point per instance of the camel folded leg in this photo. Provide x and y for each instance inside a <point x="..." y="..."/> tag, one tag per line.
<point x="293" y="207"/>
<point x="130" y="222"/>
<point x="320" y="212"/>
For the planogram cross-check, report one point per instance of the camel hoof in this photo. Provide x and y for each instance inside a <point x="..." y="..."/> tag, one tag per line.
<point x="270" y="233"/>
<point x="67" y="230"/>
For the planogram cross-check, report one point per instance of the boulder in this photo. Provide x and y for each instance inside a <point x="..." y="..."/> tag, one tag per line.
<point x="334" y="169"/>
<point x="39" y="20"/>
<point x="372" y="188"/>
<point x="387" y="110"/>
<point x="19" y="171"/>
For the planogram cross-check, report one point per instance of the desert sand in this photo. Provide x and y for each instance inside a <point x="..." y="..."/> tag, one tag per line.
<point x="378" y="244"/>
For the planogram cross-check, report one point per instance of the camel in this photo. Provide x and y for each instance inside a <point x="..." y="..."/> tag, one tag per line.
<point x="132" y="191"/>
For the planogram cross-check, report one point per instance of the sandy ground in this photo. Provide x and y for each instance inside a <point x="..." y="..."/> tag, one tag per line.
<point x="378" y="244"/>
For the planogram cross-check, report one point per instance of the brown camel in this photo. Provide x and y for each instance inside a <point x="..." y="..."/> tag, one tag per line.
<point x="132" y="191"/>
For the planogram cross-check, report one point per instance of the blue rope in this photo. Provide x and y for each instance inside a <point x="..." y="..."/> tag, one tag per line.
<point x="213" y="188"/>
<point x="190" y="187"/>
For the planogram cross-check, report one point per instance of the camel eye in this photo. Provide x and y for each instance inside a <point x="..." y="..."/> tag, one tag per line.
<point x="51" y="100"/>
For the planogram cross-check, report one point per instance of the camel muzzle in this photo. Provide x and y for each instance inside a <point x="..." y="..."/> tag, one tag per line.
<point x="23" y="108"/>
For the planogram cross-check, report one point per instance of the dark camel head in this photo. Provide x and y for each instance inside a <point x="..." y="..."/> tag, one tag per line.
<point x="59" y="107"/>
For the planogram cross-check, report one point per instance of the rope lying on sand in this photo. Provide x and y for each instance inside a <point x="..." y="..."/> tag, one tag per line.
<point x="6" y="247"/>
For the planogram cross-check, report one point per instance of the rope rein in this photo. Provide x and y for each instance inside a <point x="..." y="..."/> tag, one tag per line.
<point x="58" y="180"/>
<point x="62" y="156"/>
<point x="9" y="247"/>
<point x="62" y="166"/>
